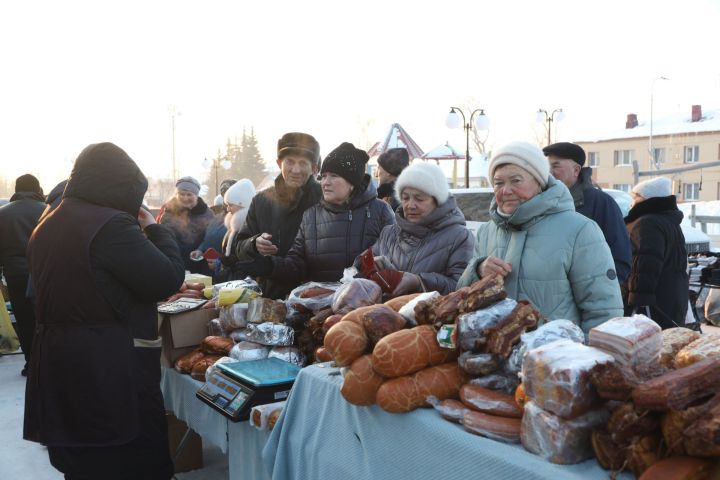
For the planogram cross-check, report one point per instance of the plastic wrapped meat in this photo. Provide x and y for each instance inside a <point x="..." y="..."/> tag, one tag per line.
<point x="632" y="340"/>
<point x="270" y="334"/>
<point x="312" y="296"/>
<point x="473" y="327"/>
<point x="246" y="351"/>
<point x="674" y="340"/>
<point x="546" y="333"/>
<point x="707" y="346"/>
<point x="261" y="310"/>
<point x="360" y="292"/>
<point x="450" y="409"/>
<point x="239" y="335"/>
<point x="185" y="363"/>
<point x="248" y="283"/>
<point x="556" y="439"/>
<point x="201" y="366"/>
<point x="260" y="414"/>
<point x="556" y="377"/>
<point x="478" y="363"/>
<point x="233" y="316"/>
<point x="288" y="354"/>
<point x="507" y="332"/>
<point x="501" y="382"/>
<point x="408" y="310"/>
<point x="215" y="329"/>
<point x="216" y="345"/>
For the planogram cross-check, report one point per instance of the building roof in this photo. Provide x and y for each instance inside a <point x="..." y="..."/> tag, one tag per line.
<point x="677" y="124"/>
<point x="396" y="137"/>
<point x="444" y="152"/>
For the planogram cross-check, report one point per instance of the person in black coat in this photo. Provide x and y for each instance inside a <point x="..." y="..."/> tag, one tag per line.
<point x="658" y="282"/>
<point x="566" y="164"/>
<point x="17" y="220"/>
<point x="390" y="165"/>
<point x="99" y="264"/>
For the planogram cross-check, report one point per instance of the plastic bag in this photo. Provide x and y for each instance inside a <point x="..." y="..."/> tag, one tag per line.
<point x="408" y="310"/>
<point x="246" y="351"/>
<point x="215" y="329"/>
<point x="633" y="341"/>
<point x="712" y="307"/>
<point x="211" y="369"/>
<point x="270" y="334"/>
<point x="473" y="327"/>
<point x="233" y="316"/>
<point x="261" y="310"/>
<point x="360" y="292"/>
<point x="239" y="335"/>
<point x="248" y="283"/>
<point x="8" y="338"/>
<point x="546" y="333"/>
<point x="261" y="414"/>
<point x="300" y="301"/>
<point x="288" y="354"/>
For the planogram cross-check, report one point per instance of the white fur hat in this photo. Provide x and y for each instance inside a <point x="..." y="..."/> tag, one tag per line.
<point x="524" y="155"/>
<point x="655" y="187"/>
<point x="241" y="193"/>
<point x="218" y="201"/>
<point x="426" y="177"/>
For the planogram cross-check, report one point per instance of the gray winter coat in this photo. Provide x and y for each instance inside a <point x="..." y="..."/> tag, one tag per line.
<point x="437" y="249"/>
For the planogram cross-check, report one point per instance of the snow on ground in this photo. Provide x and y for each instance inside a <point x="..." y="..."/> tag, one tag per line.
<point x="711" y="208"/>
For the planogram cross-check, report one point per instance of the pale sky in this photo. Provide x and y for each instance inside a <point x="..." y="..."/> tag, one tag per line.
<point x="79" y="72"/>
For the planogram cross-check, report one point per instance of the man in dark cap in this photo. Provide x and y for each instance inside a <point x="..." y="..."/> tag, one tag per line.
<point x="390" y="164"/>
<point x="17" y="221"/>
<point x="276" y="212"/>
<point x="566" y="164"/>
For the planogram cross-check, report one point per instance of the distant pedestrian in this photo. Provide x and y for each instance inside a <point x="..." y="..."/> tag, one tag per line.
<point x="390" y="165"/>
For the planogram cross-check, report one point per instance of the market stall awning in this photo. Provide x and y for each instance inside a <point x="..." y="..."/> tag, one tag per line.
<point x="396" y="137"/>
<point x="444" y="152"/>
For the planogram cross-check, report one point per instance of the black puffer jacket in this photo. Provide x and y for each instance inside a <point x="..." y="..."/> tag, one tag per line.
<point x="189" y="227"/>
<point x="658" y="277"/>
<point x="330" y="237"/>
<point x="17" y="220"/>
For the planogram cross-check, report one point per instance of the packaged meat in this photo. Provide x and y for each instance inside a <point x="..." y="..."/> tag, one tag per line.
<point x="288" y="354"/>
<point x="473" y="327"/>
<point x="216" y="345"/>
<point x="201" y="366"/>
<point x="500" y="381"/>
<point x="398" y="302"/>
<point x="361" y="382"/>
<point x="184" y="363"/>
<point x="247" y="351"/>
<point x="260" y="414"/>
<point x="478" y="363"/>
<point x="449" y="409"/>
<point x="273" y="418"/>
<point x="228" y="296"/>
<point x="632" y="340"/>
<point x="404" y="394"/>
<point x="707" y="346"/>
<point x="506" y="333"/>
<point x="346" y="341"/>
<point x="234" y="316"/>
<point x="215" y="329"/>
<point x="501" y="429"/>
<point x="211" y="369"/>
<point x="489" y="401"/>
<point x="678" y="389"/>
<point x="545" y="333"/>
<point x="609" y="454"/>
<point x="270" y="334"/>
<point x="556" y="376"/>
<point x="380" y="321"/>
<point x="262" y="310"/>
<point x="680" y="468"/>
<point x="674" y="340"/>
<point x="629" y="421"/>
<point x="611" y="382"/>
<point x="447" y="307"/>
<point x="424" y="311"/>
<point x="248" y="283"/>
<point x="408" y="351"/>
<point x="312" y="296"/>
<point x="359" y="292"/>
<point x="408" y="310"/>
<point x="556" y="439"/>
<point x="483" y="293"/>
<point x="642" y="453"/>
<point x="239" y="335"/>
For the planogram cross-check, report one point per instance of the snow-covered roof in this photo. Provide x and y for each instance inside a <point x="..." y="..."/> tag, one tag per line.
<point x="676" y="124"/>
<point x="444" y="152"/>
<point x="396" y="137"/>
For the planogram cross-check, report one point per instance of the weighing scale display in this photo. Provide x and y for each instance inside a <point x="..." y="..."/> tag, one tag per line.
<point x="223" y="392"/>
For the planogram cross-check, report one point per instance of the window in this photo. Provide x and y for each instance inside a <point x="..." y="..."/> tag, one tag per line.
<point x="692" y="154"/>
<point x="593" y="159"/>
<point x="691" y="191"/>
<point x="622" y="157"/>
<point x="659" y="156"/>
<point x="623" y="187"/>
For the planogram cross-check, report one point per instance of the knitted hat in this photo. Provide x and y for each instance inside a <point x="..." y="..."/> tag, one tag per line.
<point x="241" y="193"/>
<point x="299" y="143"/>
<point x="426" y="177"/>
<point x="27" y="183"/>
<point x="225" y="184"/>
<point x="656" y="187"/>
<point x="189" y="184"/>
<point x="566" y="151"/>
<point x="524" y="155"/>
<point x="348" y="162"/>
<point x="394" y="160"/>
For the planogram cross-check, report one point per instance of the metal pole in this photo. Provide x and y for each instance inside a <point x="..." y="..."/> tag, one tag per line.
<point x="467" y="155"/>
<point x="549" y="126"/>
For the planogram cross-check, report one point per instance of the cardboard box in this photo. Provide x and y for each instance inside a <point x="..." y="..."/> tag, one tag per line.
<point x="183" y="332"/>
<point x="191" y="456"/>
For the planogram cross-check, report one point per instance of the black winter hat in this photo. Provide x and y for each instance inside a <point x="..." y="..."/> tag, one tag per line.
<point x="27" y="183"/>
<point x="348" y="162"/>
<point x="394" y="160"/>
<point x="299" y="143"/>
<point x="566" y="150"/>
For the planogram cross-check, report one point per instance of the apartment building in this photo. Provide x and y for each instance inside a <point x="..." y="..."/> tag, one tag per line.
<point x="685" y="139"/>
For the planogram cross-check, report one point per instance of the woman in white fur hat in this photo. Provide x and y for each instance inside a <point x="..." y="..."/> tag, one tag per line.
<point x="547" y="253"/>
<point x="429" y="246"/>
<point x="658" y="282"/>
<point x="237" y="200"/>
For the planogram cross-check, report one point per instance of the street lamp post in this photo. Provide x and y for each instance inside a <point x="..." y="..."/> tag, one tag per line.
<point x="548" y="118"/>
<point x="653" y="163"/>
<point x="215" y="165"/>
<point x="482" y="122"/>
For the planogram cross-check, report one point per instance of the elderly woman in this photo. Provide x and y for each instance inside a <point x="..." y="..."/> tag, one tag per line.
<point x="429" y="244"/>
<point x="348" y="219"/>
<point x="547" y="253"/>
<point x="187" y="216"/>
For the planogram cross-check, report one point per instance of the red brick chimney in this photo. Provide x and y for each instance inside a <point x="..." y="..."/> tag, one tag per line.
<point x="631" y="121"/>
<point x="696" y="113"/>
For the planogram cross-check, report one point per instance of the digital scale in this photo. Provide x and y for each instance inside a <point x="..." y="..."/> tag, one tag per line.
<point x="234" y="388"/>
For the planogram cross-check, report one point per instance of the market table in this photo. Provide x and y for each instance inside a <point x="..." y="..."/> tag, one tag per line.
<point x="320" y="435"/>
<point x="242" y="442"/>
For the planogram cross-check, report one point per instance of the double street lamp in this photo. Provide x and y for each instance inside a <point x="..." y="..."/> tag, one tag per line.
<point x="543" y="116"/>
<point x="482" y="123"/>
<point x="215" y="165"/>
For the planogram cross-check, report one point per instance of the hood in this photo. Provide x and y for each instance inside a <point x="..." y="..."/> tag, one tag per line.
<point x="442" y="217"/>
<point x="554" y="199"/>
<point x="53" y="198"/>
<point x="105" y="175"/>
<point x="666" y="206"/>
<point x="360" y="197"/>
<point x="27" y="196"/>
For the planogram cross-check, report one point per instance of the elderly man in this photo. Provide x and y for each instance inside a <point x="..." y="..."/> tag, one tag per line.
<point x="390" y="165"/>
<point x="566" y="164"/>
